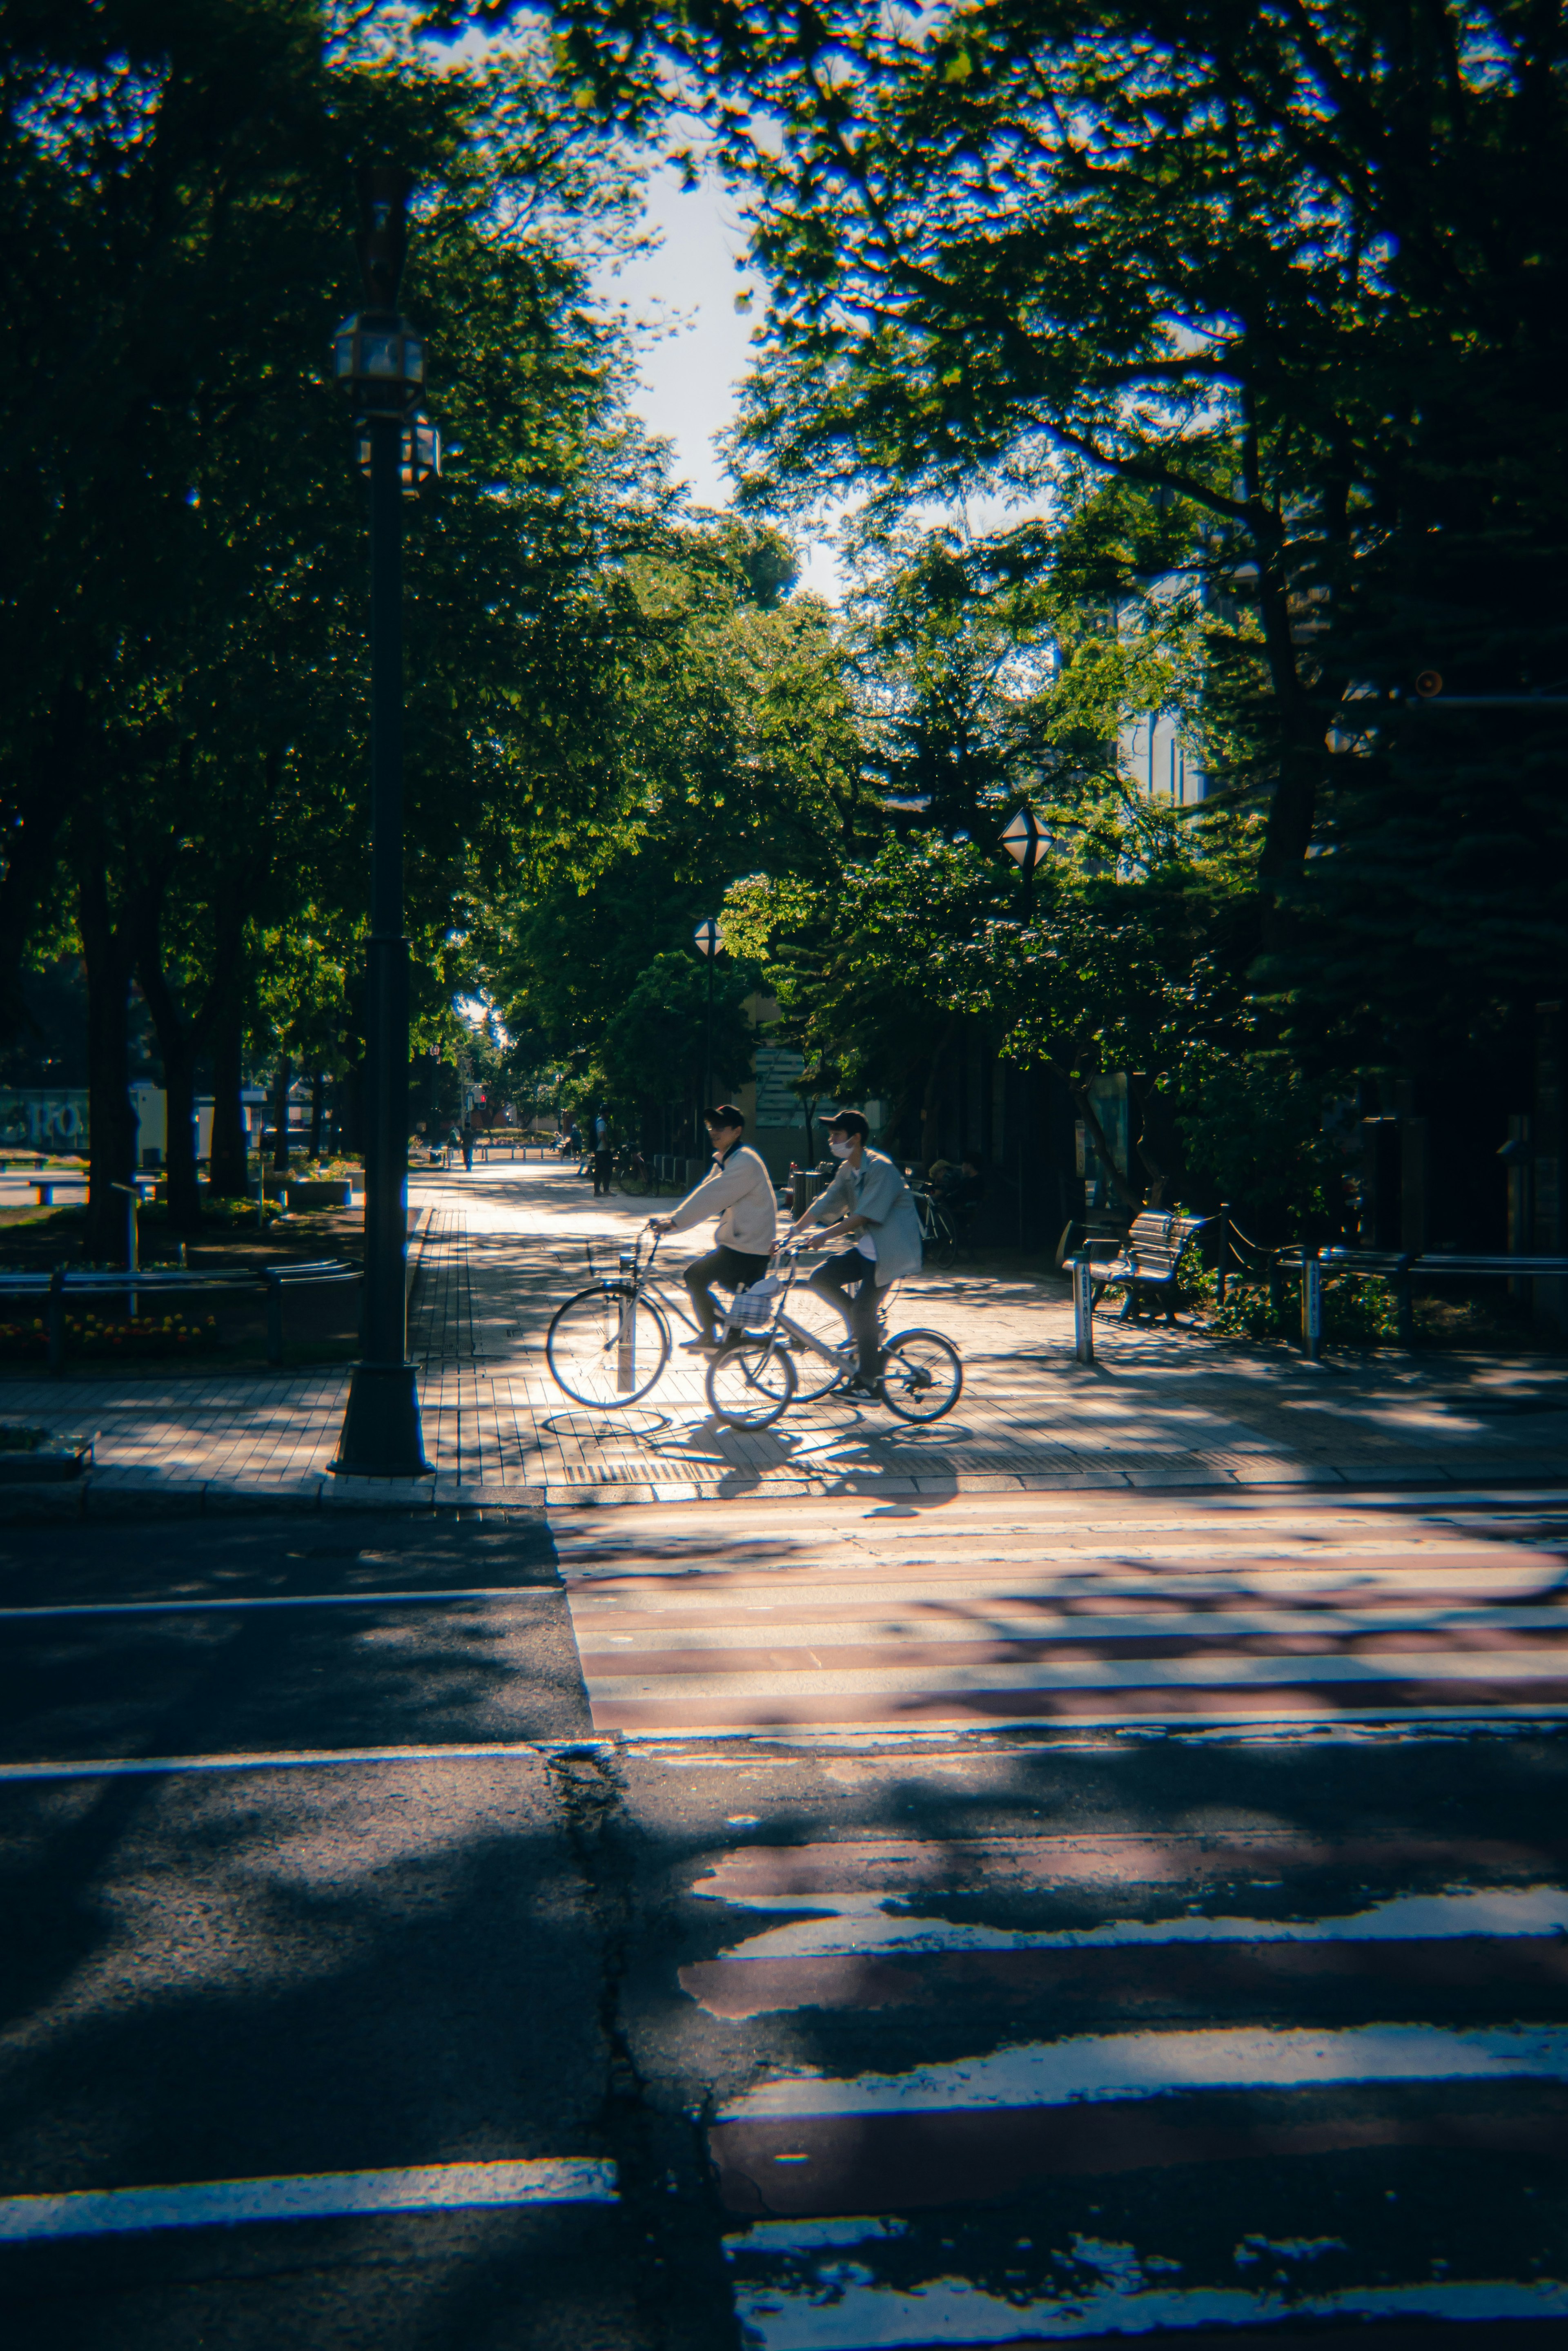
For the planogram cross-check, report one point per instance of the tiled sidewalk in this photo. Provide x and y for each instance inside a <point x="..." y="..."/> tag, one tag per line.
<point x="502" y="1248"/>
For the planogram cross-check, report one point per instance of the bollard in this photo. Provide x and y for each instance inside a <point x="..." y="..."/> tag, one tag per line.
<point x="1312" y="1306"/>
<point x="626" y="1337"/>
<point x="1404" y="1306"/>
<point x="1222" y="1260"/>
<point x="273" y="1316"/>
<point x="1083" y="1312"/>
<point x="132" y="1247"/>
<point x="57" y="1320"/>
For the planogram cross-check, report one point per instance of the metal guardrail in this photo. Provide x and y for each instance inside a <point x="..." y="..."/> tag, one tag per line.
<point x="1399" y="1267"/>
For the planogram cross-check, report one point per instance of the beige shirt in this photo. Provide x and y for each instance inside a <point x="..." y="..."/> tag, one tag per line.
<point x="739" y="1191"/>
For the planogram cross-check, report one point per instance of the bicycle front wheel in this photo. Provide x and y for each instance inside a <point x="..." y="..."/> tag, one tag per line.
<point x="607" y="1347"/>
<point x="942" y="1243"/>
<point x="750" y="1385"/>
<point x="922" y="1374"/>
<point x="633" y="1181"/>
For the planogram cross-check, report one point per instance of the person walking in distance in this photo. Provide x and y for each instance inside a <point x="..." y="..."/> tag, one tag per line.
<point x="468" y="1143"/>
<point x="869" y="1203"/>
<point x="739" y="1191"/>
<point x="604" y="1156"/>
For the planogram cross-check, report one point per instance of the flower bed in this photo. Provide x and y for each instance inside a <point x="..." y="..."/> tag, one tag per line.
<point x="86" y="1334"/>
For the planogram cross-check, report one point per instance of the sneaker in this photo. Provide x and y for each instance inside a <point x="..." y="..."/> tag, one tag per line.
<point x="699" y="1346"/>
<point x="861" y="1390"/>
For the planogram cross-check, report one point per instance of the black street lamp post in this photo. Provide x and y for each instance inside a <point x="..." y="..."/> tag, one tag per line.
<point x="709" y="942"/>
<point x="379" y="362"/>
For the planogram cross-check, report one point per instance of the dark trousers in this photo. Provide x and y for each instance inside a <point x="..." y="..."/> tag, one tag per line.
<point x="736" y="1269"/>
<point x="603" y="1162"/>
<point x="833" y="1281"/>
<point x="468" y="1153"/>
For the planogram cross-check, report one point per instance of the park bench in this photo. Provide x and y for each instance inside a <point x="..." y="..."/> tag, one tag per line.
<point x="66" y="1285"/>
<point x="1149" y="1259"/>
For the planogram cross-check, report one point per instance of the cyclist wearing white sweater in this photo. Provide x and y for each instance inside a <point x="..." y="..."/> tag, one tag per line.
<point x="739" y="1191"/>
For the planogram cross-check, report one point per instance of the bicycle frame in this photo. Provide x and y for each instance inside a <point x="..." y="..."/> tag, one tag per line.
<point x="782" y="1321"/>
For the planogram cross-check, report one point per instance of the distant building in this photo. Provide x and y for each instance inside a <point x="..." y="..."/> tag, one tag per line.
<point x="1154" y="756"/>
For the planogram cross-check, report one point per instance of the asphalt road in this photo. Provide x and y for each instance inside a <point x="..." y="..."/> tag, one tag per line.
<point x="316" y="1870"/>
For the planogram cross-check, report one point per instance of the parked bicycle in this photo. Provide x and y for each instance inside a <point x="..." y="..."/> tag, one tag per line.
<point x="607" y="1346"/>
<point x="938" y="1239"/>
<point x="633" y="1176"/>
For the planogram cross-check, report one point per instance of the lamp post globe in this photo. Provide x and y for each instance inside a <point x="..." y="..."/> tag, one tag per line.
<point x="379" y="362"/>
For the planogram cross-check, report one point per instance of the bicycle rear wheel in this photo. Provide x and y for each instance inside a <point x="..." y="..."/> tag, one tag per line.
<point x="633" y="1179"/>
<point x="941" y="1242"/>
<point x="813" y="1373"/>
<point x="922" y="1376"/>
<point x="607" y="1347"/>
<point x="750" y="1385"/>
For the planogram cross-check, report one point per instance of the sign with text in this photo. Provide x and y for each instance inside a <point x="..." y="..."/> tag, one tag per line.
<point x="778" y="1075"/>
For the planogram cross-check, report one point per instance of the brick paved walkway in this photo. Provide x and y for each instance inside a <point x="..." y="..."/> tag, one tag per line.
<point x="502" y="1248"/>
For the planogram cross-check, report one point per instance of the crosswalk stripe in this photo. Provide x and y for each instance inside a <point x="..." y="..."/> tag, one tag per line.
<point x="1329" y="1620"/>
<point x="829" y="2175"/>
<point x="801" y="2305"/>
<point x="226" y="2204"/>
<point x="893" y="1868"/>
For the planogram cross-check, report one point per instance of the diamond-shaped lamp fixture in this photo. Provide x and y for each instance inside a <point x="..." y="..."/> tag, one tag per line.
<point x="706" y="936"/>
<point x="419" y="458"/>
<point x="1025" y="839"/>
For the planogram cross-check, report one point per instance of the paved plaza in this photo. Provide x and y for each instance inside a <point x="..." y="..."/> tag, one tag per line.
<point x="498" y="1250"/>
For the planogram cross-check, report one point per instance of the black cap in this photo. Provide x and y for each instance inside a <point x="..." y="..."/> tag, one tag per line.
<point x="849" y="1121"/>
<point x="723" y="1114"/>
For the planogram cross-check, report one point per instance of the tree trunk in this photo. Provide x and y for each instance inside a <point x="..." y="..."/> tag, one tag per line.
<point x="930" y="1105"/>
<point x="177" y="1047"/>
<point x="228" y="1169"/>
<point x="60" y="776"/>
<point x="318" y="1113"/>
<point x="109" y="958"/>
<point x="281" y="1082"/>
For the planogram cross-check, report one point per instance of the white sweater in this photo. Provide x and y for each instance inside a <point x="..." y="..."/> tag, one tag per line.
<point x="739" y="1191"/>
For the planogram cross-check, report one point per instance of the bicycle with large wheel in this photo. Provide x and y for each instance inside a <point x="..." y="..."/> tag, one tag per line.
<point x="607" y="1346"/>
<point x="755" y="1376"/>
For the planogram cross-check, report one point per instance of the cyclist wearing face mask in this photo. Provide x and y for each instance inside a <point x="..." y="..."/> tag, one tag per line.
<point x="869" y="1202"/>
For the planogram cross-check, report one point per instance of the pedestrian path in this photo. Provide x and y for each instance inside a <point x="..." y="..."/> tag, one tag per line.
<point x="500" y="1250"/>
<point x="1082" y="1614"/>
<point x="1079" y="2088"/>
<point x="1159" y="1408"/>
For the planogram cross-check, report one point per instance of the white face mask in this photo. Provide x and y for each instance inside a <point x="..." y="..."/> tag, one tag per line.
<point x="839" y="1146"/>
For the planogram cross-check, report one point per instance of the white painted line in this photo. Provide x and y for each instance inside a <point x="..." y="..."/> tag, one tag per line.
<point x="326" y="2195"/>
<point x="298" y="1758"/>
<point x="844" y="2310"/>
<point x="880" y="1627"/>
<point x="1217" y="1671"/>
<point x="1021" y="1734"/>
<point x="1090" y="2068"/>
<point x="286" y="1600"/>
<point x="859" y="1922"/>
<point x="1026" y="1583"/>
